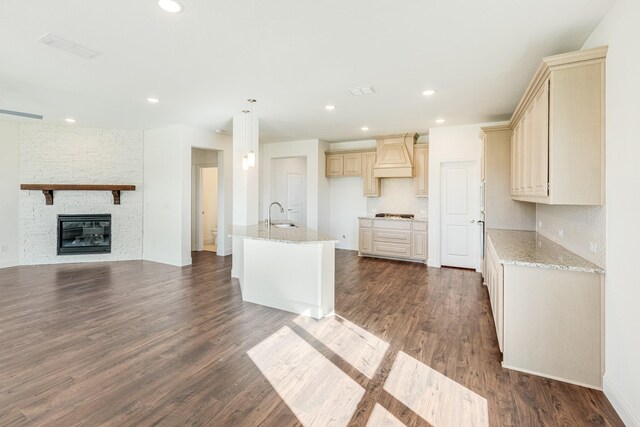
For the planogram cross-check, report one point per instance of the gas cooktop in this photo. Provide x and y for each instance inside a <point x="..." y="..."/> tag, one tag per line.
<point x="394" y="215"/>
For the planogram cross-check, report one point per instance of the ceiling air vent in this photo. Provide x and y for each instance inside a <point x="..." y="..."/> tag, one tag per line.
<point x="362" y="90"/>
<point x="67" y="46"/>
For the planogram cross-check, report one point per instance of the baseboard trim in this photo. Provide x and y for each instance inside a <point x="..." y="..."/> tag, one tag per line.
<point x="9" y="263"/>
<point x="291" y="306"/>
<point x="553" y="377"/>
<point x="620" y="405"/>
<point x="224" y="253"/>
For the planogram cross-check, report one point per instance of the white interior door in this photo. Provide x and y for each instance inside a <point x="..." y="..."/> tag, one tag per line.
<point x="294" y="197"/>
<point x="459" y="209"/>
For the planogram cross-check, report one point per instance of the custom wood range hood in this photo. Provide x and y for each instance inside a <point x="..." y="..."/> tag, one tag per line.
<point x="394" y="156"/>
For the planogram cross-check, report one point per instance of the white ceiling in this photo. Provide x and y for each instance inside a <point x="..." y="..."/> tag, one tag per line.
<point x="293" y="56"/>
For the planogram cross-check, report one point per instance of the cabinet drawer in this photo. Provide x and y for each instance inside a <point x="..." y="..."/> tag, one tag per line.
<point x="394" y="236"/>
<point x="419" y="226"/>
<point x="366" y="223"/>
<point x="392" y="225"/>
<point x="392" y="249"/>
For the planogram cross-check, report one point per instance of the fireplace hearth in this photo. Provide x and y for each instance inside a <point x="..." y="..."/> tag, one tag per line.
<point x="84" y="234"/>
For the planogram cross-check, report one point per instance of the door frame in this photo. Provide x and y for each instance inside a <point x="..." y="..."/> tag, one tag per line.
<point x="435" y="210"/>
<point x="199" y="202"/>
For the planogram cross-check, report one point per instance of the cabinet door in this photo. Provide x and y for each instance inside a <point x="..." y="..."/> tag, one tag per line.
<point x="419" y="245"/>
<point x="527" y="150"/>
<point x="371" y="184"/>
<point x="421" y="167"/>
<point x="353" y="164"/>
<point x="366" y="240"/>
<point x="512" y="168"/>
<point x="335" y="165"/>
<point x="540" y="153"/>
<point x="516" y="165"/>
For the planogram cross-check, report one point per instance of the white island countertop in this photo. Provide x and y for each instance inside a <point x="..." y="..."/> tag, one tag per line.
<point x="261" y="231"/>
<point x="530" y="249"/>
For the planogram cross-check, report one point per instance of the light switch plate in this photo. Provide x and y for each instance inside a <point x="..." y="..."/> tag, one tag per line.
<point x="561" y="233"/>
<point x="593" y="247"/>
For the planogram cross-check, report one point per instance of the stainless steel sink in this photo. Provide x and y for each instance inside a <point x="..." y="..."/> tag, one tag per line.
<point x="285" y="225"/>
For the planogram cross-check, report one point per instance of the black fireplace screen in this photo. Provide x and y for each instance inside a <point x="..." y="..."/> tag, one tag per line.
<point x="84" y="234"/>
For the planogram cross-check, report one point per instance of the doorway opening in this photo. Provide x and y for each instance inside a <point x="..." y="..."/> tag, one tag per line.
<point x="289" y="187"/>
<point x="204" y="200"/>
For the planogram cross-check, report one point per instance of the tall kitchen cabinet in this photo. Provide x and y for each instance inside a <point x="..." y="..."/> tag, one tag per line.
<point x="421" y="169"/>
<point x="557" y="141"/>
<point x="500" y="210"/>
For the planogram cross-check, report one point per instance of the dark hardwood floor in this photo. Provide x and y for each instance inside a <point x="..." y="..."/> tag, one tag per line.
<point x="140" y="343"/>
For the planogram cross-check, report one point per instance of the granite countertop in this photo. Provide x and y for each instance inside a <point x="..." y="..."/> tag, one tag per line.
<point x="261" y="231"/>
<point x="417" y="219"/>
<point x="530" y="249"/>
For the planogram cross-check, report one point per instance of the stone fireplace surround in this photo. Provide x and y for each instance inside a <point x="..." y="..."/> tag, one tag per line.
<point x="74" y="155"/>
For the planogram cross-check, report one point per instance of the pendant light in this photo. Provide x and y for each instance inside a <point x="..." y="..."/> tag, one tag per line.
<point x="251" y="156"/>
<point x="245" y="158"/>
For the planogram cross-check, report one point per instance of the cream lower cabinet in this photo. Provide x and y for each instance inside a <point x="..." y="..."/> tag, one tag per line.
<point x="549" y="322"/>
<point x="401" y="239"/>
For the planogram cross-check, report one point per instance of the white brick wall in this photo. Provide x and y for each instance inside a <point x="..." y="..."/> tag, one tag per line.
<point x="72" y="155"/>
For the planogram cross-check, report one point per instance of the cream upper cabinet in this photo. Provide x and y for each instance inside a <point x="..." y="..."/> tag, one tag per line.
<point x="421" y="167"/>
<point x="558" y="132"/>
<point x="353" y="164"/>
<point x="370" y="184"/>
<point x="335" y="165"/>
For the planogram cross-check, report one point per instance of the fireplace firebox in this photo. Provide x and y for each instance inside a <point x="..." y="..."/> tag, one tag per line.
<point x="84" y="234"/>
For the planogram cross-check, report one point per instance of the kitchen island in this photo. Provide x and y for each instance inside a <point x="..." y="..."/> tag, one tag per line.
<point x="292" y="269"/>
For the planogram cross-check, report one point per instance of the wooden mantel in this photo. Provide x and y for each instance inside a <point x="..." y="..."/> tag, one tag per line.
<point x="48" y="189"/>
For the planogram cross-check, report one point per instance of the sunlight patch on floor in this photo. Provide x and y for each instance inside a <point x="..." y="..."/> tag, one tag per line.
<point x="380" y="417"/>
<point x="316" y="391"/>
<point x="441" y="401"/>
<point x="361" y="349"/>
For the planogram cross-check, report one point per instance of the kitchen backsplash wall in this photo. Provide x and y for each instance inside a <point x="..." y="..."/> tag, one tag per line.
<point x="581" y="226"/>
<point x="398" y="195"/>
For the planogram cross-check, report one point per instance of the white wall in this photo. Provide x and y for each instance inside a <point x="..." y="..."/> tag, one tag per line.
<point x="280" y="168"/>
<point x="76" y="155"/>
<point x="448" y="144"/>
<point x="162" y="208"/>
<point x="347" y="204"/>
<point x="318" y="192"/>
<point x="9" y="192"/>
<point x="620" y="30"/>
<point x="167" y="215"/>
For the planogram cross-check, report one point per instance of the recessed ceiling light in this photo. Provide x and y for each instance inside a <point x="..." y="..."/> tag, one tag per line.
<point x="330" y="107"/>
<point x="70" y="120"/>
<point x="429" y="92"/>
<point x="153" y="100"/>
<point x="440" y="121"/>
<point x="364" y="128"/>
<point x="170" y="6"/>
